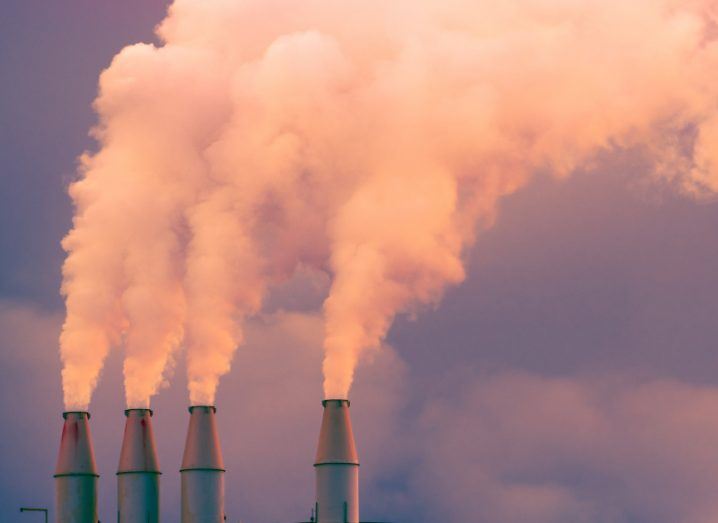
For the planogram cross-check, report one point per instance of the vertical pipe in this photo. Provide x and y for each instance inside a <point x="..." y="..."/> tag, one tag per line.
<point x="337" y="466"/>
<point x="76" y="473"/>
<point x="138" y="473"/>
<point x="202" y="469"/>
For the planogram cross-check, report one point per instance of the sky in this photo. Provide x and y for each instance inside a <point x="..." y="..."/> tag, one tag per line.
<point x="570" y="378"/>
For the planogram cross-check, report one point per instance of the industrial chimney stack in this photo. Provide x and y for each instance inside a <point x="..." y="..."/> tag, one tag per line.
<point x="76" y="472"/>
<point x="336" y="467"/>
<point x="138" y="474"/>
<point x="202" y="473"/>
<point x="202" y="469"/>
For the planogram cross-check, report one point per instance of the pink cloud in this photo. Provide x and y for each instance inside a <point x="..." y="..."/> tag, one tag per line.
<point x="519" y="447"/>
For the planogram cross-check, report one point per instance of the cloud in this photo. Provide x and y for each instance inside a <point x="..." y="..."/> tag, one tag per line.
<point x="517" y="447"/>
<point x="30" y="391"/>
<point x="29" y="333"/>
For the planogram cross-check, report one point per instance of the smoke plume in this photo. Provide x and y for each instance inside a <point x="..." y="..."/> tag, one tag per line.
<point x="370" y="140"/>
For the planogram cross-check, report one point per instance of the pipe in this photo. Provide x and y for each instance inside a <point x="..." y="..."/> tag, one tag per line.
<point x="336" y="466"/>
<point x="138" y="473"/>
<point x="202" y="469"/>
<point x="76" y="473"/>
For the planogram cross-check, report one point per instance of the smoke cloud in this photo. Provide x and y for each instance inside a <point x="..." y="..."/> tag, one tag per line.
<point x="580" y="449"/>
<point x="366" y="140"/>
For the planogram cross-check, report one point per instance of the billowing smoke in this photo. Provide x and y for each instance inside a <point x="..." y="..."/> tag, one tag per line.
<point x="368" y="139"/>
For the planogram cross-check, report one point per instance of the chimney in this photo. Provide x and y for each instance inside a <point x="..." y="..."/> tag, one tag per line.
<point x="202" y="469"/>
<point x="336" y="467"/>
<point x="138" y="474"/>
<point x="76" y="472"/>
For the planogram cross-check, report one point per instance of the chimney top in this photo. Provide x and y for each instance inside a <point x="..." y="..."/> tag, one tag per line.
<point x="202" y="450"/>
<point x="76" y="457"/>
<point x="138" y="452"/>
<point x="336" y="438"/>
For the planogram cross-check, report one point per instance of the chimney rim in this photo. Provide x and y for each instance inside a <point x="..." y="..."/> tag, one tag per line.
<point x="340" y="400"/>
<point x="122" y="472"/>
<point x="192" y="407"/>
<point x="66" y="413"/>
<point x="205" y="469"/>
<point x="337" y="462"/>
<point x="72" y="474"/>
<point x="127" y="411"/>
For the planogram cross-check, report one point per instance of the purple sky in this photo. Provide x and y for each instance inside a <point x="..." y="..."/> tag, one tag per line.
<point x="571" y="378"/>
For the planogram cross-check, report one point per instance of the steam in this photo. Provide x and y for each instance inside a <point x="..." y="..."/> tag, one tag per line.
<point x="368" y="140"/>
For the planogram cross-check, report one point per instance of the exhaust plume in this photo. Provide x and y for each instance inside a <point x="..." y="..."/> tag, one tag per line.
<point x="368" y="140"/>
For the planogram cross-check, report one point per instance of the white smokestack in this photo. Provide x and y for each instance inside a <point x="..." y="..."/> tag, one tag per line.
<point x="76" y="472"/>
<point x="202" y="469"/>
<point x="138" y="474"/>
<point x="337" y="467"/>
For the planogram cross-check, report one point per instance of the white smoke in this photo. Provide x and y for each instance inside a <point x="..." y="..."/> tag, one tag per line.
<point x="366" y="139"/>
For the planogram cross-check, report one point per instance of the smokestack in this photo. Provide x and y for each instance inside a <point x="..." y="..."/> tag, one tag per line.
<point x="138" y="474"/>
<point x="337" y="467"/>
<point x="202" y="469"/>
<point x="76" y="472"/>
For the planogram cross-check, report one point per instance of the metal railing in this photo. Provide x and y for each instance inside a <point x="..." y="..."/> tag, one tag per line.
<point x="34" y="509"/>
